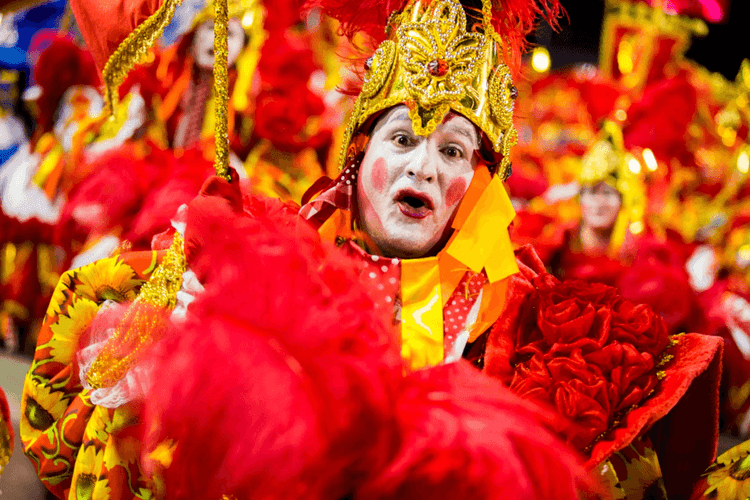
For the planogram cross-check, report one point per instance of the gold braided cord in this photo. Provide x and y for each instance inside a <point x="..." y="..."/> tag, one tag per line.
<point x="221" y="88"/>
<point x="143" y="322"/>
<point x="134" y="49"/>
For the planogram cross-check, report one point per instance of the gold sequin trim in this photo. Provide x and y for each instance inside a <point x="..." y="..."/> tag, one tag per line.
<point x="134" y="49"/>
<point x="221" y="87"/>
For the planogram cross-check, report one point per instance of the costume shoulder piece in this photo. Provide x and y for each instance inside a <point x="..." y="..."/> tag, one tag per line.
<point x="609" y="367"/>
<point x="68" y="426"/>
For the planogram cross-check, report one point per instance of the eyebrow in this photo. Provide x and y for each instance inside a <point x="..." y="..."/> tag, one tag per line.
<point x="470" y="134"/>
<point x="400" y="115"/>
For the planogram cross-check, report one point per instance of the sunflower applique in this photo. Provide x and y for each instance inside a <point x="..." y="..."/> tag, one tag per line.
<point x="99" y="425"/>
<point x="107" y="279"/>
<point x="86" y="474"/>
<point x="69" y="327"/>
<point x="729" y="477"/>
<point x="42" y="407"/>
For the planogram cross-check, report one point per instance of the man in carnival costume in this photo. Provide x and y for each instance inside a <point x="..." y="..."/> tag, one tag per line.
<point x="421" y="209"/>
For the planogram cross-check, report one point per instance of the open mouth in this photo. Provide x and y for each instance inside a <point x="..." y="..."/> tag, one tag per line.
<point x="414" y="204"/>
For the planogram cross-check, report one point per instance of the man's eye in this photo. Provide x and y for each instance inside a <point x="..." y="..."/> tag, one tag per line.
<point x="402" y="140"/>
<point x="453" y="152"/>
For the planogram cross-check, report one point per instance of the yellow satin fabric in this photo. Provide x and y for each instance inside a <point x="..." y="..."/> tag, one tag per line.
<point x="483" y="241"/>
<point x="421" y="312"/>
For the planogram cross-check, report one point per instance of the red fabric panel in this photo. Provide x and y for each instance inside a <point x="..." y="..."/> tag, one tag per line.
<point x="104" y="24"/>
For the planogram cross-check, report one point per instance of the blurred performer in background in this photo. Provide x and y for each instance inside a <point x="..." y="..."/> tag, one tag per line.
<point x="34" y="184"/>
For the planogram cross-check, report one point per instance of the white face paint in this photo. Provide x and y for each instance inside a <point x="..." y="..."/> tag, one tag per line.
<point x="203" y="43"/>
<point x="409" y="186"/>
<point x="600" y="205"/>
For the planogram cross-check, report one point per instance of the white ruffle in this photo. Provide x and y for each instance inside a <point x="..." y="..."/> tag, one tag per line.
<point x="701" y="268"/>
<point x="101" y="250"/>
<point x="189" y="290"/>
<point x="136" y="383"/>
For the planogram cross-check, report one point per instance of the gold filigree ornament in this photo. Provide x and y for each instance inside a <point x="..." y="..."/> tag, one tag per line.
<point x="434" y="65"/>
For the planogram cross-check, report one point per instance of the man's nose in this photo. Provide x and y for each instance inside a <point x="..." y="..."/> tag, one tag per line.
<point x="422" y="166"/>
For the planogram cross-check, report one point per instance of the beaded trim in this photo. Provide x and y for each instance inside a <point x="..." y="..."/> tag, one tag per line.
<point x="221" y="88"/>
<point x="142" y="324"/>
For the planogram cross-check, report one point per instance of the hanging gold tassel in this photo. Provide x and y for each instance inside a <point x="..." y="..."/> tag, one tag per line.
<point x="221" y="87"/>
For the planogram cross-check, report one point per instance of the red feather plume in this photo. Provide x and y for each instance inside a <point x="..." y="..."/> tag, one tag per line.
<point x="285" y="382"/>
<point x="512" y="19"/>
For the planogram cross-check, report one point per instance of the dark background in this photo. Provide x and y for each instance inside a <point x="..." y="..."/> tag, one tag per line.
<point x="722" y="50"/>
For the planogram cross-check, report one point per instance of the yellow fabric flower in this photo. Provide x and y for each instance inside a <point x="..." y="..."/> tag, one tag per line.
<point x="107" y="279"/>
<point x="86" y="473"/>
<point x="69" y="327"/>
<point x="41" y="407"/>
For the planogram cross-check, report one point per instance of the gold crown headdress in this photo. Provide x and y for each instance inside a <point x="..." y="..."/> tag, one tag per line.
<point x="433" y="61"/>
<point x="608" y="161"/>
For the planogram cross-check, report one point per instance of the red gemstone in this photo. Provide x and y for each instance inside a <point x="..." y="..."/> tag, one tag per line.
<point x="438" y="67"/>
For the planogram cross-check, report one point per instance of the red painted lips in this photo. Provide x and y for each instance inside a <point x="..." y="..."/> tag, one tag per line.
<point x="413" y="203"/>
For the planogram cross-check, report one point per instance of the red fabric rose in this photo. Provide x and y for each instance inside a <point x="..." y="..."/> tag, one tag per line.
<point x="587" y="352"/>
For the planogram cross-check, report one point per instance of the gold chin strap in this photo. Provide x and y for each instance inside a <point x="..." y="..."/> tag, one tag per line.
<point x="221" y="87"/>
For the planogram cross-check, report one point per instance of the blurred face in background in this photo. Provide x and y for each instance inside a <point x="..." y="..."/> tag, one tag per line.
<point x="203" y="43"/>
<point x="410" y="186"/>
<point x="600" y="206"/>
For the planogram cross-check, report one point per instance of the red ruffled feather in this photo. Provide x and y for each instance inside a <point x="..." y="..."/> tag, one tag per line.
<point x="286" y="383"/>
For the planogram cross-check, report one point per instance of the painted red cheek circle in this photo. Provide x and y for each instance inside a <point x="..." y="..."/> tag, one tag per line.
<point x="456" y="191"/>
<point x="379" y="175"/>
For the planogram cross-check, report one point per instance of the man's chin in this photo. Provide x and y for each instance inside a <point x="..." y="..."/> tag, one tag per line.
<point x="409" y="245"/>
